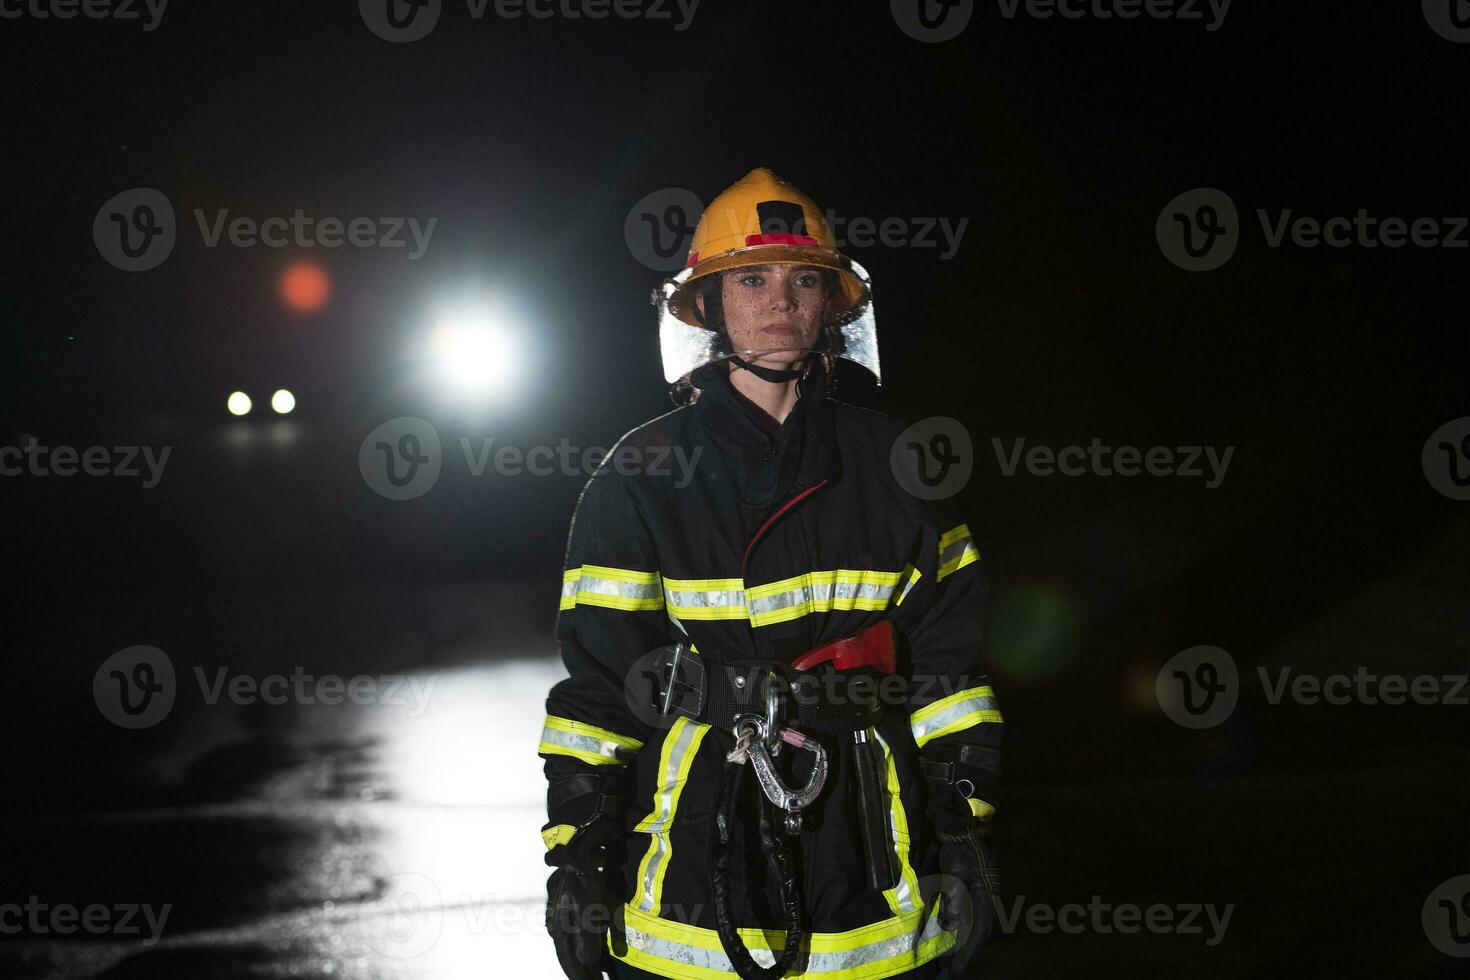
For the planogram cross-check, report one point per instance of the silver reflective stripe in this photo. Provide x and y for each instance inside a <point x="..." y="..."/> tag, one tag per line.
<point x="816" y="964"/>
<point x="908" y="586"/>
<point x="902" y="893"/>
<point x="956" y="550"/>
<point x="657" y="823"/>
<point x="582" y="745"/>
<point x="926" y="727"/>
<point x="691" y="601"/>
<point x="624" y="593"/>
<point x="821" y="594"/>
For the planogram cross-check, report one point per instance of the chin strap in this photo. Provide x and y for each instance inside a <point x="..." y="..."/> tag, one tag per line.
<point x="769" y="374"/>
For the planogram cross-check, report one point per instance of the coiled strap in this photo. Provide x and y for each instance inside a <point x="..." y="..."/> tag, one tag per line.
<point x="781" y="860"/>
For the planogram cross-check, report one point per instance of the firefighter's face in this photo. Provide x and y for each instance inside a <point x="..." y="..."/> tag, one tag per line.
<point x="774" y="306"/>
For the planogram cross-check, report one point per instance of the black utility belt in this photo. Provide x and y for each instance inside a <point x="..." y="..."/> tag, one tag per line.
<point x="681" y="683"/>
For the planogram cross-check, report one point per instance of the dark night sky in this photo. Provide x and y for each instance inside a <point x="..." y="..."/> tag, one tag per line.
<point x="1058" y="319"/>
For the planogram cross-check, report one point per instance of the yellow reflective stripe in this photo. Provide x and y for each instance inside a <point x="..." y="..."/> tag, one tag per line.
<point x="705" y="598"/>
<point x="800" y="595"/>
<point x="913" y="579"/>
<point x="956" y="550"/>
<point x="612" y="588"/>
<point x="981" y="809"/>
<point x="681" y="745"/>
<point x="562" y="833"/>
<point x="971" y="706"/>
<point x="904" y="895"/>
<point x="883" y="948"/>
<point x="590" y="744"/>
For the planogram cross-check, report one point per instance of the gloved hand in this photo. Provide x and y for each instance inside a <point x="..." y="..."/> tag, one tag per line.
<point x="970" y="877"/>
<point x="577" y="906"/>
<point x="971" y="887"/>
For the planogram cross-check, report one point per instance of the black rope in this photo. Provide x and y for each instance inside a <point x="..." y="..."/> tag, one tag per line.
<point x="781" y="860"/>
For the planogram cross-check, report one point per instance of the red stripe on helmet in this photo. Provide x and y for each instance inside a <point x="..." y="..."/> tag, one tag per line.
<point x="780" y="240"/>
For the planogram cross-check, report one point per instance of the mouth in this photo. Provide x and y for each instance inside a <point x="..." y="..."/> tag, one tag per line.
<point x="779" y="329"/>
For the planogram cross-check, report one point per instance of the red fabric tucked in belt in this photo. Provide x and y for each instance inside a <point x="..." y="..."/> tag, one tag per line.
<point x="869" y="647"/>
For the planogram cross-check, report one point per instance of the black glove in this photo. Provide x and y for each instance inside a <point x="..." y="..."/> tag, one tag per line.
<point x="577" y="919"/>
<point x="970" y="877"/>
<point x="577" y="904"/>
<point x="971" y="889"/>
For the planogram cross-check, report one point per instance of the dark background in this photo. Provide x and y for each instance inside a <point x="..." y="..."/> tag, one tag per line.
<point x="1325" y="548"/>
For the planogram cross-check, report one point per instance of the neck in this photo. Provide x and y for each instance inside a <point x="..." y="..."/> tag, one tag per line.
<point x="776" y="399"/>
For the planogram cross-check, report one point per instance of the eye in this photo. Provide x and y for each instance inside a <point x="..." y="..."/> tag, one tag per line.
<point x="808" y="280"/>
<point x="751" y="279"/>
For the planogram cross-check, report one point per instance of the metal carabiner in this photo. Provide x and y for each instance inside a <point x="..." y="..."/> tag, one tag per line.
<point x="751" y="730"/>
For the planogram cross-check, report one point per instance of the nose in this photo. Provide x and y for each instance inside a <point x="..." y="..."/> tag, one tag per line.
<point x="784" y="296"/>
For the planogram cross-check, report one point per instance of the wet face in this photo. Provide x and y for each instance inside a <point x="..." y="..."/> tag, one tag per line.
<point x="774" y="306"/>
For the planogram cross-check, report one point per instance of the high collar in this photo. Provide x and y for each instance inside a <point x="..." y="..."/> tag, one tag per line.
<point x="802" y="452"/>
<point x="722" y="405"/>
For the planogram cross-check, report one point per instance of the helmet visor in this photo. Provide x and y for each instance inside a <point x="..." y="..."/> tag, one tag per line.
<point x="852" y="335"/>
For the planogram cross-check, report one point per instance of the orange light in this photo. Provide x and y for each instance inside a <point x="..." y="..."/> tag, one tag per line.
<point x="305" y="287"/>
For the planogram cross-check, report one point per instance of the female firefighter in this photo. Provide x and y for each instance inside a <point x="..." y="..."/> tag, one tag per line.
<point x="776" y="750"/>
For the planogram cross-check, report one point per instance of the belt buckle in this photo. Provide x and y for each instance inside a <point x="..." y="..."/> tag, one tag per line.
<point x="681" y="686"/>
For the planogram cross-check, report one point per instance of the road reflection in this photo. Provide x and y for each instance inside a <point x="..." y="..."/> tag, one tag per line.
<point x="374" y="840"/>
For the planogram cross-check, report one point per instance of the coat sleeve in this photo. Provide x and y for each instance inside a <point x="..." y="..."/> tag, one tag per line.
<point x="953" y="711"/>
<point x="611" y="613"/>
